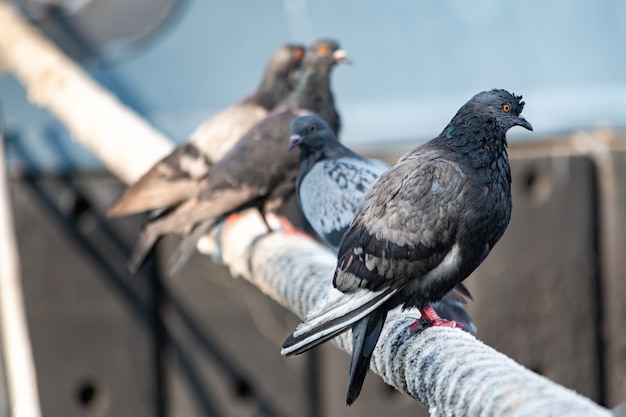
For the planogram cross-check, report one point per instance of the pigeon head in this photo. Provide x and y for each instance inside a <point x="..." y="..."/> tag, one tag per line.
<point x="310" y="133"/>
<point x="279" y="77"/>
<point x="498" y="106"/>
<point x="325" y="53"/>
<point x="285" y="61"/>
<point x="479" y="127"/>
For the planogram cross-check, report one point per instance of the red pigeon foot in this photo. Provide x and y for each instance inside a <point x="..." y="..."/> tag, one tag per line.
<point x="232" y="219"/>
<point x="431" y="318"/>
<point x="289" y="229"/>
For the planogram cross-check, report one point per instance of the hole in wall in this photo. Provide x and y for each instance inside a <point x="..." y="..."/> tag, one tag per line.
<point x="81" y="210"/>
<point x="80" y="207"/>
<point x="243" y="389"/>
<point x="91" y="396"/>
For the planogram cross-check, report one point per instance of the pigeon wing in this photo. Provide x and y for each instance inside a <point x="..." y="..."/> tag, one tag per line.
<point x="331" y="192"/>
<point x="218" y="135"/>
<point x="168" y="182"/>
<point x="407" y="226"/>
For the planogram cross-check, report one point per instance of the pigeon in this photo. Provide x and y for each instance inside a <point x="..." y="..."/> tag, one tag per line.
<point x="176" y="177"/>
<point x="332" y="180"/>
<point x="258" y="171"/>
<point x="427" y="224"/>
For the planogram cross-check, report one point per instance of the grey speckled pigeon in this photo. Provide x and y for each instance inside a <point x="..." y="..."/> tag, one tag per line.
<point x="332" y="181"/>
<point x="176" y="177"/>
<point x="428" y="223"/>
<point x="258" y="171"/>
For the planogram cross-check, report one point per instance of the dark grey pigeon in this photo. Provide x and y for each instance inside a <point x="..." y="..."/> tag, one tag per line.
<point x="176" y="177"/>
<point x="258" y="171"/>
<point x="332" y="181"/>
<point x="428" y="223"/>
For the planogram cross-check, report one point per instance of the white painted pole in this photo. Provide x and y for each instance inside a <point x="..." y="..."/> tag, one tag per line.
<point x="16" y="348"/>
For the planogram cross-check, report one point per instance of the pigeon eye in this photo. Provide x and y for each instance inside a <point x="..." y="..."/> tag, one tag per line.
<point x="322" y="50"/>
<point x="312" y="129"/>
<point x="298" y="53"/>
<point x="506" y="107"/>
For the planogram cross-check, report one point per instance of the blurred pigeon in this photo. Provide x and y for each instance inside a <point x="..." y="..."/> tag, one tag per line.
<point x="428" y="222"/>
<point x="332" y="181"/>
<point x="258" y="171"/>
<point x="176" y="177"/>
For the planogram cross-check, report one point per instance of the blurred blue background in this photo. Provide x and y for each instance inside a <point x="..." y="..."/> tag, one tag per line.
<point x="415" y="64"/>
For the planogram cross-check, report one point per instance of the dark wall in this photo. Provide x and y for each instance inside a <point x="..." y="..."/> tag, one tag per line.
<point x="110" y="344"/>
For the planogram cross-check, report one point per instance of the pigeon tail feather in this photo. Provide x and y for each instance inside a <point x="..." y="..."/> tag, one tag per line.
<point x="147" y="238"/>
<point x="145" y="242"/>
<point x="187" y="247"/>
<point x="365" y="334"/>
<point x="334" y="316"/>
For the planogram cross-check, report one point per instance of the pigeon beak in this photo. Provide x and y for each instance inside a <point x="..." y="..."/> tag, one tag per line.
<point x="294" y="140"/>
<point x="524" y="123"/>
<point x="341" y="56"/>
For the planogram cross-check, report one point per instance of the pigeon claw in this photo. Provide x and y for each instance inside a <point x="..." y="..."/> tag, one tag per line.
<point x="430" y="318"/>
<point x="422" y="324"/>
<point x="232" y="219"/>
<point x="419" y="326"/>
<point x="288" y="228"/>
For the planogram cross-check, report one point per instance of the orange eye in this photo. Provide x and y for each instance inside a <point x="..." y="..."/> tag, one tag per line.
<point x="506" y="107"/>
<point x="322" y="50"/>
<point x="298" y="53"/>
